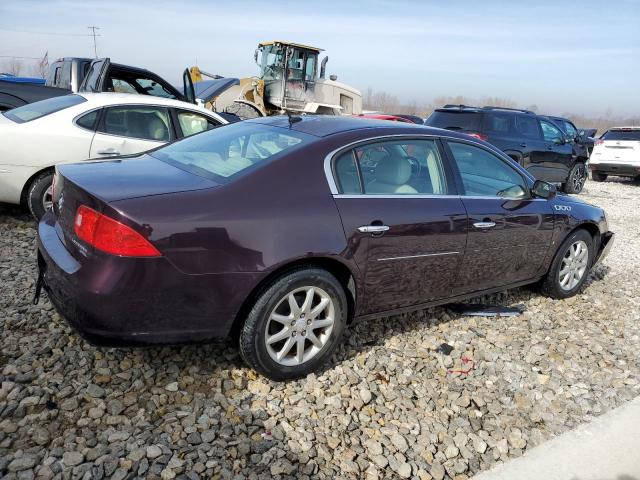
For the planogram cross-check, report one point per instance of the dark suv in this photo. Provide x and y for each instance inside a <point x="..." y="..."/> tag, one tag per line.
<point x="534" y="141"/>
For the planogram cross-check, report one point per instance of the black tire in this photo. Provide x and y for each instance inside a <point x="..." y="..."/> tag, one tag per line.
<point x="576" y="179"/>
<point x="550" y="285"/>
<point x="36" y="194"/>
<point x="598" y="177"/>
<point x="253" y="336"/>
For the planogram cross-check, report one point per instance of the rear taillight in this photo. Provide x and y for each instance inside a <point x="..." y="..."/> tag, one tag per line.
<point x="478" y="136"/>
<point x="598" y="141"/>
<point x="111" y="236"/>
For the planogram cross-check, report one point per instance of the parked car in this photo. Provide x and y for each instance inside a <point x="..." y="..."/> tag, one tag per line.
<point x="534" y="142"/>
<point x="38" y="136"/>
<point x="616" y="152"/>
<point x="71" y="75"/>
<point x="383" y="116"/>
<point x="582" y="139"/>
<point x="279" y="231"/>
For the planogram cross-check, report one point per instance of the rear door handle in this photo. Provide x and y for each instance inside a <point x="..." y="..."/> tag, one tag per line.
<point x="484" y="224"/>
<point x="108" y="151"/>
<point x="373" y="228"/>
<point x="549" y="147"/>
<point x="523" y="145"/>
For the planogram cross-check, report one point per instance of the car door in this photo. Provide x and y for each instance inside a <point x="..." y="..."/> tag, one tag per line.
<point x="130" y="129"/>
<point x="559" y="153"/>
<point x="405" y="226"/>
<point x="531" y="143"/>
<point x="509" y="231"/>
<point x="96" y="75"/>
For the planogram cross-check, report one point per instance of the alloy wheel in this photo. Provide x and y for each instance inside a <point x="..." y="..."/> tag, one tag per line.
<point x="574" y="265"/>
<point x="47" y="199"/>
<point x="299" y="326"/>
<point x="579" y="178"/>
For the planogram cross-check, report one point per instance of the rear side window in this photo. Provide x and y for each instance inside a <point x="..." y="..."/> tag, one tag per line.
<point x="467" y="121"/>
<point x="33" y="111"/>
<point x="398" y="167"/>
<point x="499" y="123"/>
<point x="222" y="153"/>
<point x="622" y="135"/>
<point x="146" y="123"/>
<point x="528" y="127"/>
<point x="88" y="120"/>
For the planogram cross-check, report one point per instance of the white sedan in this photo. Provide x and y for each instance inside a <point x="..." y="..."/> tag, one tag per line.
<point x="36" y="137"/>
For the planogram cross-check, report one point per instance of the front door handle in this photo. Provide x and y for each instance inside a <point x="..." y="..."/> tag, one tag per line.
<point x="523" y="145"/>
<point x="484" y="224"/>
<point x="108" y="151"/>
<point x="549" y="147"/>
<point x="373" y="228"/>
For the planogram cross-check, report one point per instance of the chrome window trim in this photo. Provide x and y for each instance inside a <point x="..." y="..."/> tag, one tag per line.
<point x="333" y="187"/>
<point x="461" y="197"/>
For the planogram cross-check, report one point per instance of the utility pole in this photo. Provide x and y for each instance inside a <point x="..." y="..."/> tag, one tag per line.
<point x="95" y="48"/>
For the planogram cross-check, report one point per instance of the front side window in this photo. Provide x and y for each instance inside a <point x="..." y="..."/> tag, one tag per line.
<point x="550" y="132"/>
<point x="570" y="129"/>
<point x="222" y="153"/>
<point x="271" y="61"/>
<point x="400" y="167"/>
<point x="146" y="123"/>
<point x="484" y="174"/>
<point x="33" y="111"/>
<point x="192" y="123"/>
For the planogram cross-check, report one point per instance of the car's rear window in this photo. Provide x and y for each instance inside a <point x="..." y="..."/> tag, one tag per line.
<point x="468" y="121"/>
<point x="222" y="153"/>
<point x="35" y="110"/>
<point x="622" y="135"/>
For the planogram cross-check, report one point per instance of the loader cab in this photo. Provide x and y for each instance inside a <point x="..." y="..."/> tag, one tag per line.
<point x="289" y="71"/>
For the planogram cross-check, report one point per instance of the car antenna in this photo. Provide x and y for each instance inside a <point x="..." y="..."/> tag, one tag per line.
<point x="292" y="119"/>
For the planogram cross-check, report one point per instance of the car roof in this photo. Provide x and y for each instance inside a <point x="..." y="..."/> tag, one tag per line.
<point x="325" y="125"/>
<point x="110" y="98"/>
<point x="470" y="109"/>
<point x="625" y="128"/>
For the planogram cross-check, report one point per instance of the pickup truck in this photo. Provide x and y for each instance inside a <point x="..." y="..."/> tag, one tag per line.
<point x="71" y="75"/>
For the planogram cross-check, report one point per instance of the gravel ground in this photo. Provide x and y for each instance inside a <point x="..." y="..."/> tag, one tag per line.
<point x="390" y="405"/>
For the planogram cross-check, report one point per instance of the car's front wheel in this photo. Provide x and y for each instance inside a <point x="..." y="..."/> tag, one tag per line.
<point x="570" y="267"/>
<point x="598" y="177"/>
<point x="40" y="195"/>
<point x="576" y="179"/>
<point x="295" y="324"/>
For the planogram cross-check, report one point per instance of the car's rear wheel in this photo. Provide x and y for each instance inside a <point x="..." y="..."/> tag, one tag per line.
<point x="575" y="180"/>
<point x="40" y="195"/>
<point x="570" y="267"/>
<point x="598" y="177"/>
<point x="295" y="324"/>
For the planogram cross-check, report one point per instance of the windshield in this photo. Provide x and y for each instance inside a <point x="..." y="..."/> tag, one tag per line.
<point x="226" y="152"/>
<point x="271" y="61"/>
<point x="622" y="135"/>
<point x="469" y="121"/>
<point x="33" y="111"/>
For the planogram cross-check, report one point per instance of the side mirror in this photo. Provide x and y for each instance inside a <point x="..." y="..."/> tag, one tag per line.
<point x="543" y="189"/>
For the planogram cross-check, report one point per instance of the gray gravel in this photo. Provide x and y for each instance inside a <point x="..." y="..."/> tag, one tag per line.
<point x="388" y="406"/>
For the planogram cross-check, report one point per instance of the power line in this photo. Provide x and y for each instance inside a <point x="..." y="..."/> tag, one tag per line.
<point x="95" y="48"/>
<point x="49" y="33"/>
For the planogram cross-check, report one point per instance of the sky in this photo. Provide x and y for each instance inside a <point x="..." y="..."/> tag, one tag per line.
<point x="578" y="57"/>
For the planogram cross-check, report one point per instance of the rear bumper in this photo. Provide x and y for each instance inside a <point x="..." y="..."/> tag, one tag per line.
<point x="117" y="301"/>
<point x="606" y="242"/>
<point x="621" y="169"/>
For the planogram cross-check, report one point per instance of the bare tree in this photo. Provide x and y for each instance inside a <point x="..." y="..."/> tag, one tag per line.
<point x="12" y="66"/>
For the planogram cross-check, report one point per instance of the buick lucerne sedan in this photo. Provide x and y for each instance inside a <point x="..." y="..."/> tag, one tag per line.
<point x="279" y="231"/>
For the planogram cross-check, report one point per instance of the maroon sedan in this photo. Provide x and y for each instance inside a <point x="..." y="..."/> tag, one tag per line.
<point x="278" y="232"/>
